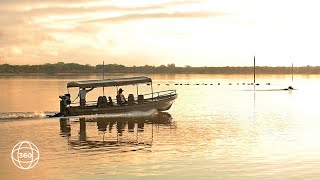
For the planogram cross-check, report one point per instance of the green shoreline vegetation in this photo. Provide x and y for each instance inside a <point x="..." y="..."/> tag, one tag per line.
<point x="74" y="68"/>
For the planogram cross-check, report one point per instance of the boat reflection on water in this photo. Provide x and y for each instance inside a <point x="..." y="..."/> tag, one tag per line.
<point x="106" y="133"/>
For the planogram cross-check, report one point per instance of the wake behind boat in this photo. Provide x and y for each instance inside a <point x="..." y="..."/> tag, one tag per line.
<point x="160" y="101"/>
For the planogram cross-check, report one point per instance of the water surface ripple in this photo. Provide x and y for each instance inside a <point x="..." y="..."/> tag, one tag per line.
<point x="212" y="131"/>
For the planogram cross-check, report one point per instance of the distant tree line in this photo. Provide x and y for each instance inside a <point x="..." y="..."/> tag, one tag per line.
<point x="61" y="67"/>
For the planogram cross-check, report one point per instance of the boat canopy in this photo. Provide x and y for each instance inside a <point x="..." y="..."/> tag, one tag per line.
<point x="109" y="82"/>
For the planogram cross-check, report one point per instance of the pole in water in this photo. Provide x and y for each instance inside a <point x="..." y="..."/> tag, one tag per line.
<point x="291" y="87"/>
<point x="292" y="73"/>
<point x="102" y="69"/>
<point x="103" y="76"/>
<point x="254" y="69"/>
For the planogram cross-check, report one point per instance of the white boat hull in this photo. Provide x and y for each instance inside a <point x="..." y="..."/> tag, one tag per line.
<point x="161" y="104"/>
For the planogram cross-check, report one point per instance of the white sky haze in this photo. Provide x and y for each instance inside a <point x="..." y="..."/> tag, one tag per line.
<point x="189" y="32"/>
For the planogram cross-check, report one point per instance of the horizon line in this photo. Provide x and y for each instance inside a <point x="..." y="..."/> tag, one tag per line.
<point x="166" y="65"/>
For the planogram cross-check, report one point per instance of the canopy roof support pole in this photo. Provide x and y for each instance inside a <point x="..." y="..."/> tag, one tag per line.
<point x="152" y="90"/>
<point x="117" y="91"/>
<point x="137" y="90"/>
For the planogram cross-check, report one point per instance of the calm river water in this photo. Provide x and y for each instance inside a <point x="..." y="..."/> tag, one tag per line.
<point x="212" y="131"/>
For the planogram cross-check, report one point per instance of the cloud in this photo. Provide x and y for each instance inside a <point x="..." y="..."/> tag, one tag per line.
<point x="175" y="15"/>
<point x="20" y="4"/>
<point x="65" y="10"/>
<point x="56" y="7"/>
<point x="65" y="13"/>
<point x="50" y="29"/>
<point x="23" y="35"/>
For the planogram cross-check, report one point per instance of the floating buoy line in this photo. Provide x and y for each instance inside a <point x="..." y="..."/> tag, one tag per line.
<point x="209" y="84"/>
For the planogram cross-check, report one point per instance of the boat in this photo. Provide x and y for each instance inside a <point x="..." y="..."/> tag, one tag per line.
<point x="161" y="101"/>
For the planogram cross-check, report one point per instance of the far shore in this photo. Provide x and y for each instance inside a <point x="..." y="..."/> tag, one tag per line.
<point x="61" y="68"/>
<point x="138" y="74"/>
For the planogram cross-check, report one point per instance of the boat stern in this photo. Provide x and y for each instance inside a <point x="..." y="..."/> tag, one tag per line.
<point x="65" y="105"/>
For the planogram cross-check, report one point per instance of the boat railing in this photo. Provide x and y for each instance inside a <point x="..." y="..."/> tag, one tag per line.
<point x="160" y="94"/>
<point x="155" y="96"/>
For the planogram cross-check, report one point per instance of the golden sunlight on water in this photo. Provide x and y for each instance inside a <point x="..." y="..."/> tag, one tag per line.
<point x="211" y="132"/>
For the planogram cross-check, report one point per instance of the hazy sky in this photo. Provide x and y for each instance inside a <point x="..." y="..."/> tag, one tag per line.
<point x="154" y="32"/>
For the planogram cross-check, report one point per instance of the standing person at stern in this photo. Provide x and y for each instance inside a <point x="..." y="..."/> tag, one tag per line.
<point x="82" y="94"/>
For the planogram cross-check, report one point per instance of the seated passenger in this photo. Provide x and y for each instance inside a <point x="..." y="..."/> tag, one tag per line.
<point x="110" y="101"/>
<point x="102" y="102"/>
<point x="120" y="97"/>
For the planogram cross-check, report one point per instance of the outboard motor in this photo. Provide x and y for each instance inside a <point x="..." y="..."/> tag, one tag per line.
<point x="65" y="104"/>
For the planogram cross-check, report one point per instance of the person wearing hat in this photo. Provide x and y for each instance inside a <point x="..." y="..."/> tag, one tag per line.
<point x="120" y="97"/>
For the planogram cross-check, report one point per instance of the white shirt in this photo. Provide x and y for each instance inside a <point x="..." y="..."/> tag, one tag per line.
<point x="82" y="93"/>
<point x="122" y="99"/>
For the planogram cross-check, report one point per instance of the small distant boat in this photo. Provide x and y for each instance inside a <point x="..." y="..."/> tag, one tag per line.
<point x="160" y="101"/>
<point x="289" y="88"/>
